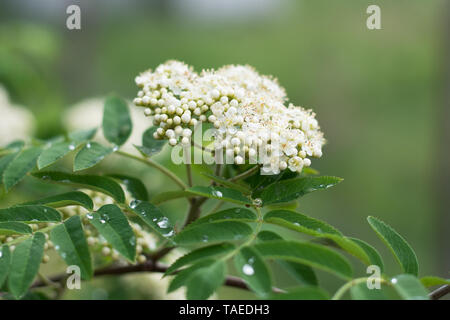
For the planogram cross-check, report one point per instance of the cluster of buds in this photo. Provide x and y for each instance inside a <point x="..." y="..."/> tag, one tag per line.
<point x="247" y="110"/>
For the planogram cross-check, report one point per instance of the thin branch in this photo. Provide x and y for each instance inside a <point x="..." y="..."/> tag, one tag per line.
<point x="148" y="266"/>
<point x="245" y="174"/>
<point x="155" y="165"/>
<point x="440" y="292"/>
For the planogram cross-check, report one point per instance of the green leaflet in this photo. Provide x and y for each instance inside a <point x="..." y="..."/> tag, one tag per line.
<point x="113" y="225"/>
<point x="8" y="228"/>
<point x="29" y="214"/>
<point x="302" y="293"/>
<point x="213" y="232"/>
<point x="200" y="279"/>
<point x="71" y="245"/>
<point x="224" y="182"/>
<point x="82" y="135"/>
<point x="409" y="287"/>
<point x="372" y="253"/>
<point x="153" y="217"/>
<point x="135" y="186"/>
<point x="194" y="256"/>
<point x="74" y="198"/>
<point x="233" y="214"/>
<point x="98" y="183"/>
<point x="287" y="190"/>
<point x="253" y="270"/>
<point x="117" y="124"/>
<point x="402" y="251"/>
<point x="302" y="223"/>
<point x="54" y="153"/>
<point x="430" y="281"/>
<point x="362" y="292"/>
<point x="91" y="154"/>
<point x="303" y="273"/>
<point x="5" y="262"/>
<point x="25" y="263"/>
<point x="313" y="255"/>
<point x="150" y="146"/>
<point x="20" y="166"/>
<point x="169" y="195"/>
<point x="220" y="193"/>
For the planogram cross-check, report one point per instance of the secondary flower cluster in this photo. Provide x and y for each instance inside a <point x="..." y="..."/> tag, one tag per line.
<point x="248" y="111"/>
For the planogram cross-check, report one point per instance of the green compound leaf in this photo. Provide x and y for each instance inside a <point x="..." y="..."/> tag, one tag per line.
<point x="430" y="281"/>
<point x="8" y="228"/>
<point x="135" y="186"/>
<point x="253" y="270"/>
<point x="153" y="217"/>
<point x="409" y="287"/>
<point x="91" y="154"/>
<point x="233" y="214"/>
<point x="220" y="193"/>
<point x="302" y="293"/>
<point x="302" y="273"/>
<point x="201" y="279"/>
<point x="5" y="263"/>
<point x="73" y="198"/>
<point x="54" y="153"/>
<point x="287" y="190"/>
<point x="29" y="214"/>
<point x="402" y="251"/>
<point x="113" y="225"/>
<point x="97" y="183"/>
<point x="224" y="182"/>
<point x="20" y="166"/>
<point x="213" y="232"/>
<point x="209" y="252"/>
<point x="372" y="253"/>
<point x="117" y="124"/>
<point x="313" y="255"/>
<point x="71" y="245"/>
<point x="150" y="146"/>
<point x="25" y="263"/>
<point x="302" y="223"/>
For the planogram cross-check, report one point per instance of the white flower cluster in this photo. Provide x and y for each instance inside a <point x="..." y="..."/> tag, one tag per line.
<point x="15" y="122"/>
<point x="248" y="111"/>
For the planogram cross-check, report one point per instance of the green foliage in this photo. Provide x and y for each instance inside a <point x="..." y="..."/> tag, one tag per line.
<point x="150" y="146"/>
<point x="113" y="225"/>
<point x="80" y="227"/>
<point x="91" y="154"/>
<point x="71" y="245"/>
<point x="73" y="198"/>
<point x="98" y="183"/>
<point x="25" y="264"/>
<point x="402" y="251"/>
<point x="117" y="124"/>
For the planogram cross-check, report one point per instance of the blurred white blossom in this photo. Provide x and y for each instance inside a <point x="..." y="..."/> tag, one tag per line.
<point x="15" y="122"/>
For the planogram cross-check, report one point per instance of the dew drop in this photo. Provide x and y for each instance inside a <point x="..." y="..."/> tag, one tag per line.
<point x="205" y="238"/>
<point x="394" y="280"/>
<point x="217" y="194"/>
<point x="248" y="270"/>
<point x="163" y="223"/>
<point x="71" y="147"/>
<point x="88" y="145"/>
<point x="257" y="202"/>
<point x="134" y="203"/>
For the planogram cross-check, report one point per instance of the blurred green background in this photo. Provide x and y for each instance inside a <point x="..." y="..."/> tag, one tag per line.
<point x="378" y="94"/>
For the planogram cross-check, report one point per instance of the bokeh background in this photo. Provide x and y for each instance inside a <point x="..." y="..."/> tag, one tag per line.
<point x="382" y="97"/>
